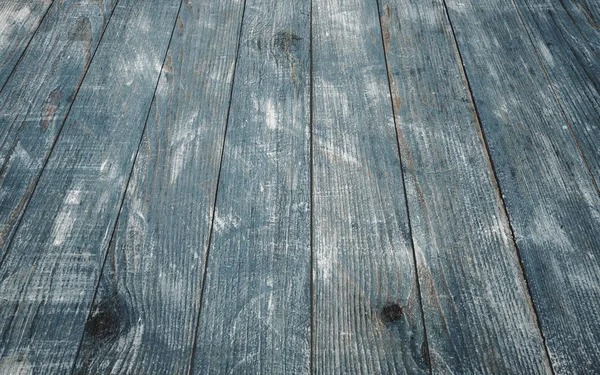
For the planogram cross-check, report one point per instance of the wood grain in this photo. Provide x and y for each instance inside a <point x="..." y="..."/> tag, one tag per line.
<point x="566" y="35"/>
<point x="148" y="299"/>
<point x="19" y="19"/>
<point x="255" y="315"/>
<point x="48" y="277"/>
<point x="367" y="315"/>
<point x="38" y="96"/>
<point x="477" y="310"/>
<point x="552" y="203"/>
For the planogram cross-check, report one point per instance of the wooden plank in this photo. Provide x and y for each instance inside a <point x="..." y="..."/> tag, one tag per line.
<point x="49" y="275"/>
<point x="255" y="314"/>
<point x="148" y="298"/>
<point x="38" y="96"/>
<point x="19" y="20"/>
<point x="550" y="197"/>
<point x="367" y="315"/>
<point x="566" y="35"/>
<point x="477" y="311"/>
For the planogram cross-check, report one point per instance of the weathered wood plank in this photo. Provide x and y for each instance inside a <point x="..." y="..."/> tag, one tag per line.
<point x="148" y="299"/>
<point x="19" y="19"/>
<point x="48" y="277"/>
<point x="37" y="98"/>
<point x="566" y="34"/>
<point x="475" y="302"/>
<point x="367" y="316"/>
<point x="256" y="310"/>
<point x="551" y="200"/>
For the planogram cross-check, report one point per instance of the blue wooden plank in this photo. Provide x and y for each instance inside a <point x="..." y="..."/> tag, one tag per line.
<point x="19" y="20"/>
<point x="367" y="315"/>
<point x="551" y="199"/>
<point x="51" y="268"/>
<point x="477" y="311"/>
<point x="255" y="314"/>
<point x="38" y="96"/>
<point x="148" y="299"/>
<point x="566" y="35"/>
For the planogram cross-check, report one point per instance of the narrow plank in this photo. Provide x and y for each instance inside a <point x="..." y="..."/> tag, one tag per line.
<point x="550" y="197"/>
<point x="148" y="298"/>
<point x="48" y="277"/>
<point x="19" y="20"/>
<point x="255" y="315"/>
<point x="476" y="306"/>
<point x="37" y="98"/>
<point x="566" y="34"/>
<point x="367" y="315"/>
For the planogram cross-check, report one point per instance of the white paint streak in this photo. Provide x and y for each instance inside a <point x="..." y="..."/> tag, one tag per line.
<point x="63" y="224"/>
<point x="271" y="115"/>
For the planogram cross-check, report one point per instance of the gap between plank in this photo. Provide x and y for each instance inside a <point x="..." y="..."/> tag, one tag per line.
<point x="560" y="105"/>
<point x="137" y="151"/>
<point x="214" y="206"/>
<point x="58" y="133"/>
<point x="412" y="242"/>
<point x="28" y="43"/>
<point x="312" y="196"/>
<point x="497" y="184"/>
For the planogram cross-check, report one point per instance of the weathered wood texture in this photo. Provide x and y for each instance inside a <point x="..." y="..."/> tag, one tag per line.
<point x="551" y="200"/>
<point x="478" y="315"/>
<point x="38" y="96"/>
<point x="367" y="316"/>
<point x="255" y="314"/>
<point x="19" y="19"/>
<point x="48" y="277"/>
<point x="566" y="34"/>
<point x="145" y="313"/>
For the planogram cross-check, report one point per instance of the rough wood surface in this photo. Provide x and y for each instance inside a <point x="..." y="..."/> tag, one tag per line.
<point x="367" y="315"/>
<point x="48" y="277"/>
<point x="255" y="314"/>
<point x="38" y="96"/>
<point x="19" y="20"/>
<point x="477" y="310"/>
<point x="566" y="35"/>
<point x="145" y="313"/>
<point x="551" y="200"/>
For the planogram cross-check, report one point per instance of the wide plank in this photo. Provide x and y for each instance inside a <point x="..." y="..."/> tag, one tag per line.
<point x="566" y="35"/>
<point x="19" y="20"/>
<point x="551" y="200"/>
<point x="51" y="268"/>
<point x="38" y="96"/>
<point x="477" y="310"/>
<point x="148" y="298"/>
<point x="367" y="315"/>
<point x="255" y="313"/>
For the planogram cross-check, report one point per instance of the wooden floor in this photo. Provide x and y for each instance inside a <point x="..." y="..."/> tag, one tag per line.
<point x="326" y="186"/>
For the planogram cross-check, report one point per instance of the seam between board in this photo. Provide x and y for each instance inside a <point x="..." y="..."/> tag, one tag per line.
<point x="27" y="46"/>
<point x="498" y="187"/>
<point x="56" y="138"/>
<point x="406" y="205"/>
<point x="558" y="101"/>
<point x="114" y="230"/>
<point x="214" y="205"/>
<point x="311" y="364"/>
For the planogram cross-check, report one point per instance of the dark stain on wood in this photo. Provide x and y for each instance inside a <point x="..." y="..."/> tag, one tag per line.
<point x="50" y="107"/>
<point x="81" y="31"/>
<point x="107" y="320"/>
<point x="391" y="313"/>
<point x="284" y="40"/>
